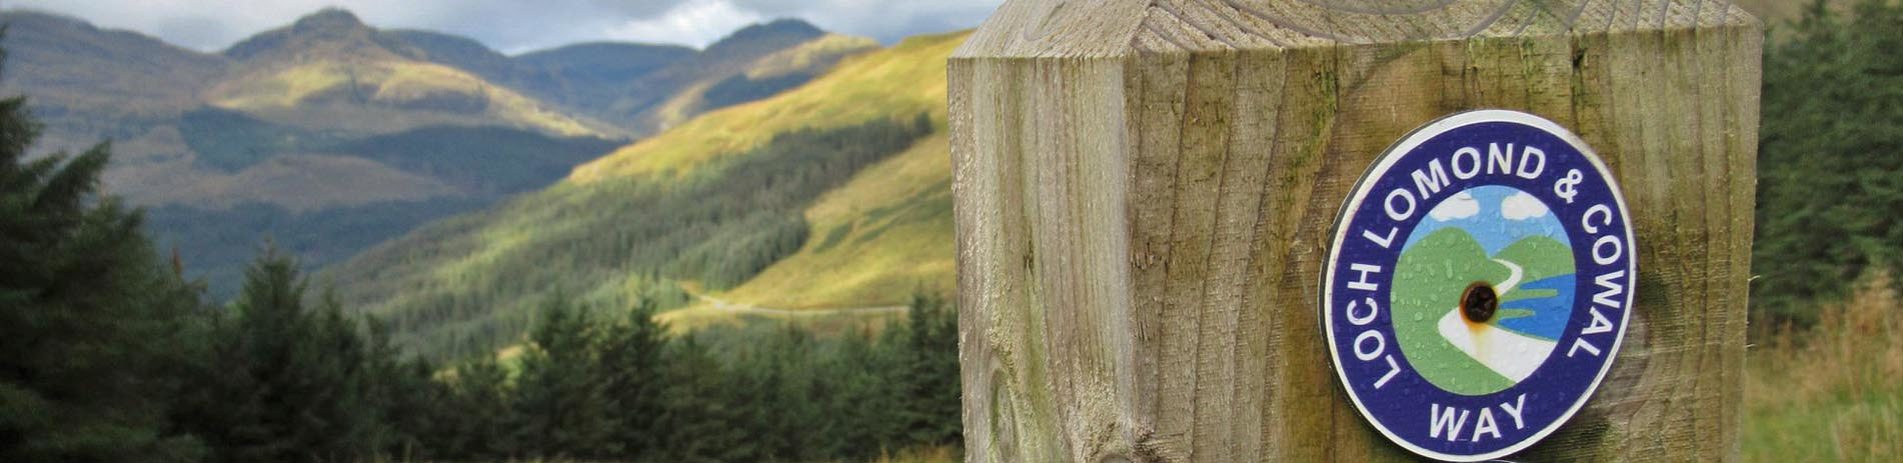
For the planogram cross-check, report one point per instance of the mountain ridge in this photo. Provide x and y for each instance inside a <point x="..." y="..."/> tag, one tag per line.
<point x="247" y="135"/>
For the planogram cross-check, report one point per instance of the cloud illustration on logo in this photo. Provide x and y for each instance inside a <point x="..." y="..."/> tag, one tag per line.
<point x="1462" y="205"/>
<point x="1522" y="206"/>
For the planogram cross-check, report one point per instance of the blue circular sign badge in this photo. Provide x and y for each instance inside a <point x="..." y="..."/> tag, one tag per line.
<point x="1479" y="284"/>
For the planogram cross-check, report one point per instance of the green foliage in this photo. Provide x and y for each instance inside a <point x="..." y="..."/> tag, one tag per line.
<point x="930" y="375"/>
<point x="487" y="163"/>
<point x="626" y="391"/>
<point x="93" y="328"/>
<point x="455" y="289"/>
<point x="479" y="406"/>
<point x="231" y="141"/>
<point x="218" y="244"/>
<point x="480" y="160"/>
<point x="562" y="396"/>
<point x="779" y="393"/>
<point x="295" y="382"/>
<point x="632" y="360"/>
<point x="1830" y="167"/>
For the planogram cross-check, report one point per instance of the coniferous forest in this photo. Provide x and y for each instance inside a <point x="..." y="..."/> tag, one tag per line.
<point x="107" y="353"/>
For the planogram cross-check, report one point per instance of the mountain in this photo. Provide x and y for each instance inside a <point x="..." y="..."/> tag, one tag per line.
<point x="327" y="135"/>
<point x="752" y="63"/>
<point x="89" y="84"/>
<point x="645" y="88"/>
<point x="834" y="194"/>
<point x="330" y="72"/>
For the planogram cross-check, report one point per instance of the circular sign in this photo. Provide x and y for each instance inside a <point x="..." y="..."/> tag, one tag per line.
<point x="1478" y="285"/>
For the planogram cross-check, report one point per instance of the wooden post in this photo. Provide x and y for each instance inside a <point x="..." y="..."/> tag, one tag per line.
<point x="1145" y="192"/>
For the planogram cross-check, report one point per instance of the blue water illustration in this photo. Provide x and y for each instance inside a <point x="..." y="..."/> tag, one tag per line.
<point x="1549" y="313"/>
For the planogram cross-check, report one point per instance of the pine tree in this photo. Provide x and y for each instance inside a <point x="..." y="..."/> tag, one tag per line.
<point x="701" y="417"/>
<point x="91" y="322"/>
<point x="292" y="384"/>
<point x="1830" y="165"/>
<point x="561" y="397"/>
<point x="479" y="415"/>
<point x="631" y="362"/>
<point x="863" y="411"/>
<point x="930" y="365"/>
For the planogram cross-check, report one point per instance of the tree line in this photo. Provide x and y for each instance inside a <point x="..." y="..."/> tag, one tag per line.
<point x="288" y="381"/>
<point x="1830" y="162"/>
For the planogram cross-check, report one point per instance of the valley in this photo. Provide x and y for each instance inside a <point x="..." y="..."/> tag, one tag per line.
<point x="328" y="135"/>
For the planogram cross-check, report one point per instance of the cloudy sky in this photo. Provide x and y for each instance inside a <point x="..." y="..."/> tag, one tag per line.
<point x="515" y="26"/>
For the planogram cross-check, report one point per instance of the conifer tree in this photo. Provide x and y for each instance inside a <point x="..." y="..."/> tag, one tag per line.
<point x="297" y="375"/>
<point x="1830" y="164"/>
<point x="631" y="363"/>
<point x="562" y="399"/>
<point x="701" y="417"/>
<point x="91" y="323"/>
<point x="930" y="366"/>
<point x="480" y="419"/>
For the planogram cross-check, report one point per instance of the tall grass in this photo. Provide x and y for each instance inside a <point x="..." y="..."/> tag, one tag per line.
<point x="1835" y="392"/>
<point x="923" y="455"/>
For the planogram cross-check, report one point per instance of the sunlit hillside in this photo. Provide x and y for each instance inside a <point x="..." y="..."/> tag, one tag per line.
<point x="797" y="188"/>
<point x="765" y="76"/>
<point x="907" y="79"/>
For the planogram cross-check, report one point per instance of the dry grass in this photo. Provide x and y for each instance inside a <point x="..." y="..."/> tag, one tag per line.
<point x="916" y="455"/>
<point x="924" y="455"/>
<point x="1836" y="392"/>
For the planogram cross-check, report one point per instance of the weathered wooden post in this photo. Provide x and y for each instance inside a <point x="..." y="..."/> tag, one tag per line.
<point x="1147" y="193"/>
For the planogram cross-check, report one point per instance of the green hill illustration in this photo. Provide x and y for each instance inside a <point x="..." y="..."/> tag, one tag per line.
<point x="1541" y="256"/>
<point x="1428" y="282"/>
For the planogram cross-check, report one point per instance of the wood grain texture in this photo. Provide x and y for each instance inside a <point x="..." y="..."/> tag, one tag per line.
<point x="1145" y="191"/>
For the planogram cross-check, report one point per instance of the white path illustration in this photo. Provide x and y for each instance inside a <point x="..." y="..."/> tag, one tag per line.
<point x="1510" y="354"/>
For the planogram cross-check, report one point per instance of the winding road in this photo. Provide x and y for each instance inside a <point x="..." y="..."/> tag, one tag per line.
<point x="1510" y="354"/>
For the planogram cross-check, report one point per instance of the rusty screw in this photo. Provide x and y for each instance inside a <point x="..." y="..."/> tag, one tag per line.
<point x="1479" y="302"/>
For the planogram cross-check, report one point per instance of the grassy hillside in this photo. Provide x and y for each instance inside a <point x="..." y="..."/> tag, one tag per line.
<point x="818" y="159"/>
<point x="875" y="240"/>
<point x="661" y="99"/>
<point x="906" y="79"/>
<point x="764" y="77"/>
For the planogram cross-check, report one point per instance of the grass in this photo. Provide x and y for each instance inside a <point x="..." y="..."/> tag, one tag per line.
<point x="1834" y="393"/>
<point x="906" y="79"/>
<point x="797" y="63"/>
<point x="915" y="455"/>
<point x="884" y="235"/>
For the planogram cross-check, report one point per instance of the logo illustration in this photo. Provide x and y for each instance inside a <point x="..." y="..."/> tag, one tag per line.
<point x="1479" y="284"/>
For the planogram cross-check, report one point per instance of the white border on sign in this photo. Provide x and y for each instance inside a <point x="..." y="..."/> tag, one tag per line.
<point x="1392" y="155"/>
